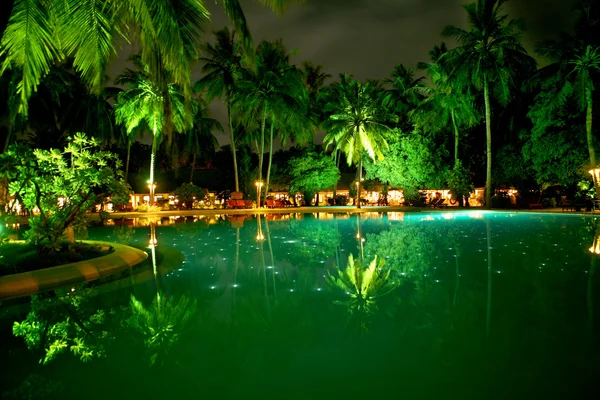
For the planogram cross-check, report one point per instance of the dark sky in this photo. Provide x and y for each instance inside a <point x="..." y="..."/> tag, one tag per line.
<point x="368" y="37"/>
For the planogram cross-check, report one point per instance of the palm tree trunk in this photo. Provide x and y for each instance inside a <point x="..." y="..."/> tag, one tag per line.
<point x="233" y="151"/>
<point x="7" y="141"/>
<point x="127" y="161"/>
<point x="270" y="159"/>
<point x="261" y="154"/>
<point x="193" y="167"/>
<point x="337" y="164"/>
<point x="359" y="186"/>
<point x="590" y="139"/>
<point x="152" y="165"/>
<point x="488" y="134"/>
<point x="455" y="137"/>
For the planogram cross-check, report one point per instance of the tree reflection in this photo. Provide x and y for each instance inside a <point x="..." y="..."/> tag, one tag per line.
<point x="161" y="323"/>
<point x="363" y="285"/>
<point x="66" y="324"/>
<point x="315" y="241"/>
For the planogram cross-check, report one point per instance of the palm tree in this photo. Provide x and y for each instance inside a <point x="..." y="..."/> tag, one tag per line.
<point x="488" y="54"/>
<point x="222" y="63"/>
<point x="356" y="122"/>
<point x="577" y="65"/>
<point x="42" y="33"/>
<point x="200" y="139"/>
<point x="404" y="95"/>
<point x="144" y="104"/>
<point x="274" y="91"/>
<point x="448" y="104"/>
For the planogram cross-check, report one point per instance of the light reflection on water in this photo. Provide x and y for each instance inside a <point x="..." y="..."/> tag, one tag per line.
<point x="460" y="305"/>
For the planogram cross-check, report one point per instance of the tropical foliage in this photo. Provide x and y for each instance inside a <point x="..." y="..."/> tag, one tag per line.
<point x="59" y="187"/>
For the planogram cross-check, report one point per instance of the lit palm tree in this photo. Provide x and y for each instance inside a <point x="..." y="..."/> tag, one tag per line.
<point x="488" y="55"/>
<point x="357" y="122"/>
<point x="578" y="66"/>
<point x="143" y="104"/>
<point x="273" y="92"/>
<point x="222" y="63"/>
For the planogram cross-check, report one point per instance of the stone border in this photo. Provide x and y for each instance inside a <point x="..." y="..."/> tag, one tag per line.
<point x="28" y="283"/>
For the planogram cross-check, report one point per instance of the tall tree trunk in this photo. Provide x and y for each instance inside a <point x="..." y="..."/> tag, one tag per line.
<point x="233" y="151"/>
<point x="193" y="167"/>
<point x="7" y="141"/>
<point x="127" y="161"/>
<point x="152" y="166"/>
<point x="488" y="134"/>
<point x="590" y="140"/>
<point x="336" y="160"/>
<point x="270" y="159"/>
<point x="359" y="186"/>
<point x="261" y="155"/>
<point x="455" y="137"/>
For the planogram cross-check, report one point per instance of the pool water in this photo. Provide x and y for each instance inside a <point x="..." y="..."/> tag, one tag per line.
<point x="467" y="305"/>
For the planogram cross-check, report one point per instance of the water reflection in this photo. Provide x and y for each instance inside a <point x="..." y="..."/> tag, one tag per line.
<point x="363" y="285"/>
<point x="248" y="306"/>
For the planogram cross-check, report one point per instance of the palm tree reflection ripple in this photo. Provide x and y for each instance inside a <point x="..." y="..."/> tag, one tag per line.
<point x="363" y="285"/>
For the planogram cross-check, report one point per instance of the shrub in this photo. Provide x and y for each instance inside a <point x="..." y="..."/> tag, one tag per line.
<point x="549" y="202"/>
<point x="188" y="192"/>
<point x="340" y="200"/>
<point x="501" y="200"/>
<point x="147" y="208"/>
<point x="61" y="185"/>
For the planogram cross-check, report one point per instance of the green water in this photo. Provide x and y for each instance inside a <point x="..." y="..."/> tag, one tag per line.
<point x="466" y="306"/>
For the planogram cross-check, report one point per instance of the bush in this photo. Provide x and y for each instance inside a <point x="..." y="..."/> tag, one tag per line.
<point x="188" y="192"/>
<point x="147" y="208"/>
<point x="61" y="185"/>
<point x="549" y="202"/>
<point x="501" y="201"/>
<point x="340" y="200"/>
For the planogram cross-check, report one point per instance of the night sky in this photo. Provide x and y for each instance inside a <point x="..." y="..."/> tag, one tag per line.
<point x="368" y="37"/>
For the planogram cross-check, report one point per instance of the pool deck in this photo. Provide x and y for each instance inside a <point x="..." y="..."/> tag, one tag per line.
<point x="28" y="283"/>
<point x="326" y="209"/>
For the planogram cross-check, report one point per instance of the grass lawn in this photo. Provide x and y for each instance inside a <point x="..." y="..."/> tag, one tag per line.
<point x="23" y="257"/>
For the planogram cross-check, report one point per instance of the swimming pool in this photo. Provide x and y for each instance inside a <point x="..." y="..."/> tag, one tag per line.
<point x="465" y="305"/>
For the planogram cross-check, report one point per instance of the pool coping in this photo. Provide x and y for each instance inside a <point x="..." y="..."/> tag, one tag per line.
<point x="28" y="283"/>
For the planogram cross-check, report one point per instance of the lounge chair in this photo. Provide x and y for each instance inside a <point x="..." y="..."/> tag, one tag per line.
<point x="278" y="204"/>
<point x="537" y="204"/>
<point x="270" y="203"/>
<point x="434" y="202"/>
<point x="566" y="204"/>
<point x="232" y="203"/>
<point x="441" y="203"/>
<point x="247" y="203"/>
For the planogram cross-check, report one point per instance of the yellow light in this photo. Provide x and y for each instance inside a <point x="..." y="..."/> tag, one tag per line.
<point x="260" y="237"/>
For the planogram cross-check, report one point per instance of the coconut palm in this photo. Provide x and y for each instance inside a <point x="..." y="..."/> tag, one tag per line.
<point x="357" y="122"/>
<point x="577" y="65"/>
<point x="404" y="95"/>
<point x="222" y="63"/>
<point x="41" y="33"/>
<point x="143" y="105"/>
<point x="272" y="92"/>
<point x="449" y="103"/>
<point x="200" y="139"/>
<point x="488" y="55"/>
